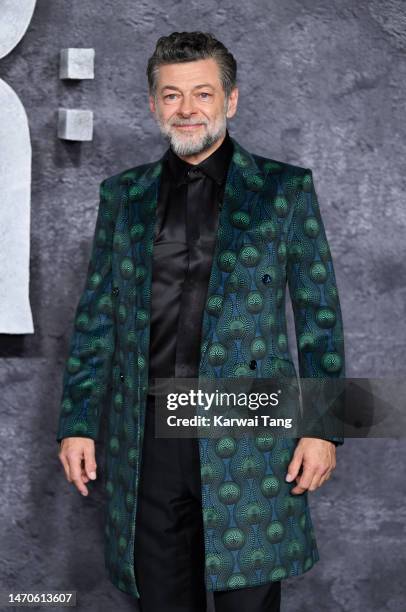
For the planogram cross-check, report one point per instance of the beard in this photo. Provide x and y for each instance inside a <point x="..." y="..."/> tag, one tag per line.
<point x="190" y="143"/>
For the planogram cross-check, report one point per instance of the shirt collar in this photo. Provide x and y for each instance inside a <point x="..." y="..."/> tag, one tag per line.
<point x="215" y="165"/>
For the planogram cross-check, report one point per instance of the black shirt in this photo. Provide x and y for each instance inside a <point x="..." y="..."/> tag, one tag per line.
<point x="186" y="228"/>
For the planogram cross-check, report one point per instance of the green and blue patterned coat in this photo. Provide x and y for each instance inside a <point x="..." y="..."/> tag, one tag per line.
<point x="270" y="235"/>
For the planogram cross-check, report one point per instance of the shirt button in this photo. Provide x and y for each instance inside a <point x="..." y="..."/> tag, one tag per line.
<point x="253" y="364"/>
<point x="121" y="376"/>
<point x="266" y="279"/>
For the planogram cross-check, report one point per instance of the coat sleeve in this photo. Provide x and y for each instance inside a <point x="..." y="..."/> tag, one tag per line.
<point x="87" y="369"/>
<point x="316" y="305"/>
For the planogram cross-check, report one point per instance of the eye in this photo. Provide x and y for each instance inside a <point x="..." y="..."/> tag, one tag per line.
<point x="205" y="93"/>
<point x="169" y="95"/>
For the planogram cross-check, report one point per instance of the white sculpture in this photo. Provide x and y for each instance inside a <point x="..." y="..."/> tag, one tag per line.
<point x="15" y="183"/>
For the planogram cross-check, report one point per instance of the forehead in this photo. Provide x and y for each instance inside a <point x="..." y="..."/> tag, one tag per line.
<point x="186" y="75"/>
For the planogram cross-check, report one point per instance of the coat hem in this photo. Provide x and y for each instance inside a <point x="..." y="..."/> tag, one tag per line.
<point x="210" y="589"/>
<point x="126" y="588"/>
<point x="122" y="586"/>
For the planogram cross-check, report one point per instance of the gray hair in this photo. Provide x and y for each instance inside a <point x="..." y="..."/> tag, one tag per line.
<point x="189" y="46"/>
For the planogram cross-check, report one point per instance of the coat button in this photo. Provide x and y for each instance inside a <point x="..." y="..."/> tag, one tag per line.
<point x="121" y="376"/>
<point x="253" y="364"/>
<point x="266" y="279"/>
<point x="116" y="290"/>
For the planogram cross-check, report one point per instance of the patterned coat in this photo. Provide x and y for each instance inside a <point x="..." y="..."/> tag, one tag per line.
<point x="270" y="234"/>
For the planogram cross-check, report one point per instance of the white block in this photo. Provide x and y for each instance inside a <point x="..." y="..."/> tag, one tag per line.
<point x="75" y="124"/>
<point x="15" y="213"/>
<point x="76" y="63"/>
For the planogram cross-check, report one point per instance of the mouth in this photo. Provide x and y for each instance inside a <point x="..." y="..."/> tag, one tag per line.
<point x="192" y="126"/>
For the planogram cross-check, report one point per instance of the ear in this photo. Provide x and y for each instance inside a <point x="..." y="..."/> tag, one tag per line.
<point x="232" y="103"/>
<point x="152" y="104"/>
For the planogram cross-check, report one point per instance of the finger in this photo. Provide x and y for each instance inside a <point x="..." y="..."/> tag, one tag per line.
<point x="305" y="479"/>
<point x="64" y="461"/>
<point x="324" y="478"/>
<point x="75" y="472"/>
<point x="319" y="477"/>
<point x="90" y="462"/>
<point x="84" y="476"/>
<point x="316" y="481"/>
<point x="295" y="465"/>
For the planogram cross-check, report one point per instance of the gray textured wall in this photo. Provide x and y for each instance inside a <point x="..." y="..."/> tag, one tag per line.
<point x="322" y="86"/>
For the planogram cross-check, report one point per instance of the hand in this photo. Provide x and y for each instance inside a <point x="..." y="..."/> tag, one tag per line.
<point x="78" y="459"/>
<point x="319" y="460"/>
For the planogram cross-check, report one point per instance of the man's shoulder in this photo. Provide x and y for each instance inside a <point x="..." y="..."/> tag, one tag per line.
<point x="129" y="174"/>
<point x="278" y="166"/>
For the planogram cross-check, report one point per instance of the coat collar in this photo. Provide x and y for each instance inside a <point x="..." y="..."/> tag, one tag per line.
<point x="242" y="162"/>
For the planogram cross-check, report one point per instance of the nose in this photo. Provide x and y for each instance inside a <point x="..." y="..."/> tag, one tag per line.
<point x="186" y="106"/>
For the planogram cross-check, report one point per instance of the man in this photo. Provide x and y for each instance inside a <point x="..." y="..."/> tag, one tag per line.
<point x="187" y="276"/>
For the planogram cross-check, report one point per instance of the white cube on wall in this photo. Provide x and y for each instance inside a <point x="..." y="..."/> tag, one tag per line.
<point x="75" y="124"/>
<point x="76" y="63"/>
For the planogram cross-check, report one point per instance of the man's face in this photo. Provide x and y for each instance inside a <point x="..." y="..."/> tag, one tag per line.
<point x="190" y="105"/>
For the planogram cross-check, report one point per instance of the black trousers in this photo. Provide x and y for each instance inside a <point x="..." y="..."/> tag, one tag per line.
<point x="169" y="542"/>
